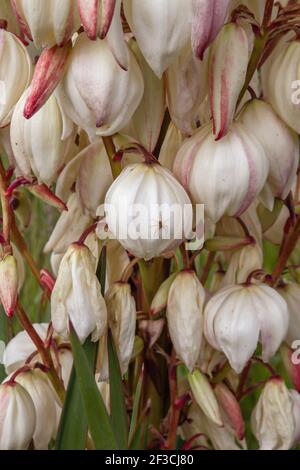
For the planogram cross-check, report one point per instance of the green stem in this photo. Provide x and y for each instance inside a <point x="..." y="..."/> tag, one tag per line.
<point x="111" y="152"/>
<point x="259" y="45"/>
<point x="287" y="249"/>
<point x="44" y="352"/>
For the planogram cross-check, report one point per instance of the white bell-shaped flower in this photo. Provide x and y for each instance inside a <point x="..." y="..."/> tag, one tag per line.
<point x="97" y="94"/>
<point x="18" y="417"/>
<point x="239" y="316"/>
<point x="77" y="297"/>
<point x="225" y="176"/>
<point x="147" y="210"/>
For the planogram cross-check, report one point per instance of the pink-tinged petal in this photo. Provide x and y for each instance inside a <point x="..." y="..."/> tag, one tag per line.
<point x="231" y="408"/>
<point x="42" y="192"/>
<point x="48" y="72"/>
<point x="25" y="30"/>
<point x="107" y="13"/>
<point x="227" y="72"/>
<point x="208" y="18"/>
<point x="88" y="11"/>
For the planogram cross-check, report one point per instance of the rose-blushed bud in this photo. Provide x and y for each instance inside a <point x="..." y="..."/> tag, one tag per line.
<point x="48" y="72"/>
<point x="121" y="312"/>
<point x="161" y="27"/>
<point x="18" y="417"/>
<point x="8" y="284"/>
<point x="48" y="23"/>
<point x="225" y="176"/>
<point x="97" y="94"/>
<point x="38" y="387"/>
<point x="41" y="149"/>
<point x="279" y="142"/>
<point x="272" y="419"/>
<point x="185" y="316"/>
<point x="205" y="397"/>
<point x="237" y="317"/>
<point x="152" y="191"/>
<point x="15" y="70"/>
<point x="77" y="297"/>
<point x="227" y="72"/>
<point x="208" y="18"/>
<point x="96" y="16"/>
<point x="231" y="410"/>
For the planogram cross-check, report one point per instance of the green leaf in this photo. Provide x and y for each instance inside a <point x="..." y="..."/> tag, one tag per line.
<point x="117" y="400"/>
<point x="98" y="419"/>
<point x="72" y="429"/>
<point x="73" y="426"/>
<point x="135" y="408"/>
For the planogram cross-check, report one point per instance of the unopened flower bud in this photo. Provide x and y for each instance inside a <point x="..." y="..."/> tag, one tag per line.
<point x="225" y="176"/>
<point x="205" y="397"/>
<point x="77" y="297"/>
<point x="231" y="410"/>
<point x="15" y="70"/>
<point x="161" y="28"/>
<point x="48" y="71"/>
<point x="96" y="16"/>
<point x="96" y="93"/>
<point x="160" y="299"/>
<point x="121" y="311"/>
<point x="272" y="420"/>
<point x="41" y="149"/>
<point x="8" y="283"/>
<point x="48" y="23"/>
<point x="18" y="417"/>
<point x="279" y="142"/>
<point x="37" y="385"/>
<point x="185" y="316"/>
<point x="238" y="316"/>
<point x="227" y="72"/>
<point x="138" y="206"/>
